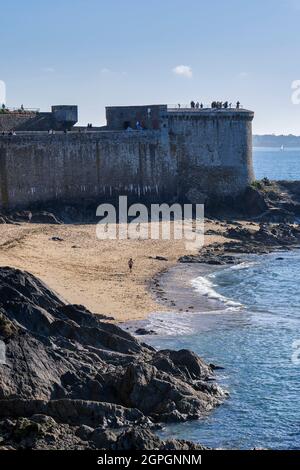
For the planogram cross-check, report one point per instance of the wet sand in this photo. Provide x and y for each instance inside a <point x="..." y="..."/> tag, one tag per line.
<point x="177" y="298"/>
<point x="175" y="291"/>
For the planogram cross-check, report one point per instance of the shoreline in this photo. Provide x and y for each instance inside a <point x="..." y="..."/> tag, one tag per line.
<point x="84" y="270"/>
<point x="98" y="389"/>
<point x="177" y="293"/>
<point x="173" y="287"/>
<point x="226" y="339"/>
<point x="71" y="321"/>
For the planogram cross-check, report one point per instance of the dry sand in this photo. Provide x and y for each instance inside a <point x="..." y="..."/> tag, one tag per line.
<point x="92" y="272"/>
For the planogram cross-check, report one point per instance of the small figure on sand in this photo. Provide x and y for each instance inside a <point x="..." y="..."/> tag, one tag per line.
<point x="130" y="264"/>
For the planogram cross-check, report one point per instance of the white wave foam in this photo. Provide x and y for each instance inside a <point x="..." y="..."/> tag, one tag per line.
<point x="206" y="288"/>
<point x="170" y="324"/>
<point x="182" y="323"/>
<point x="244" y="265"/>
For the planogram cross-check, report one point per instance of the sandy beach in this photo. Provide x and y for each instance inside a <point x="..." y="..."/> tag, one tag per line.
<point x="84" y="270"/>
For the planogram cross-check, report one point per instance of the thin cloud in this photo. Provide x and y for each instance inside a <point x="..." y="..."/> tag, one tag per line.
<point x="183" y="70"/>
<point x="48" y="69"/>
<point x="106" y="71"/>
<point x="243" y="75"/>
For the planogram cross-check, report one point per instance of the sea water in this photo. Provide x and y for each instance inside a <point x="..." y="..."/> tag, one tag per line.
<point x="252" y="331"/>
<point x="276" y="164"/>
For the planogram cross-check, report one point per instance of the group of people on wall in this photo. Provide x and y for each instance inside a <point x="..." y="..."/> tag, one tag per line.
<point x="214" y="105"/>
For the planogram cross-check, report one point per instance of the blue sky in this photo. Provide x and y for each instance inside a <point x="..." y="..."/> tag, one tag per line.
<point x="98" y="52"/>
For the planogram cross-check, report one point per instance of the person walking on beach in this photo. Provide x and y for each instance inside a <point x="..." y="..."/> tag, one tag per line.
<point x="130" y="264"/>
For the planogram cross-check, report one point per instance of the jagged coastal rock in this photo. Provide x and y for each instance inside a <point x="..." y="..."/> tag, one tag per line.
<point x="73" y="381"/>
<point x="268" y="238"/>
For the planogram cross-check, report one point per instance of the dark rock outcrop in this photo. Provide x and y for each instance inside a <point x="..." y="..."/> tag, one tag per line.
<point x="276" y="215"/>
<point x="44" y="217"/>
<point x="35" y="217"/>
<point x="270" y="237"/>
<point x="271" y="201"/>
<point x="144" y="331"/>
<point x="81" y="374"/>
<point x="254" y="202"/>
<point x="44" y="433"/>
<point x="210" y="256"/>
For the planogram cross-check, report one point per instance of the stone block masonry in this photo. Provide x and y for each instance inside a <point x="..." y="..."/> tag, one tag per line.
<point x="72" y="167"/>
<point x="185" y="155"/>
<point x="213" y="151"/>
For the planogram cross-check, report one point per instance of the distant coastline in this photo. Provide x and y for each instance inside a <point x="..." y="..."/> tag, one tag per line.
<point x="271" y="140"/>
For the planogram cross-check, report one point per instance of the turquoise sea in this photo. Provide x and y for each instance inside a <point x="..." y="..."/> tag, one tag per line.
<point x="253" y="334"/>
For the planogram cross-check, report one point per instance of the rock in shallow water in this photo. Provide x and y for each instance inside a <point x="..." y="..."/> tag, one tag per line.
<point x="66" y="364"/>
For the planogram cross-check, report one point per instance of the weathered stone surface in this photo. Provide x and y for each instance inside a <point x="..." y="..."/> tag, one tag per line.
<point x="272" y="201"/>
<point x="254" y="202"/>
<point x="37" y="217"/>
<point x="144" y="331"/>
<point x="269" y="237"/>
<point x="144" y="439"/>
<point x="276" y="215"/>
<point x="196" y="155"/>
<point x="66" y="364"/>
<point x="45" y="433"/>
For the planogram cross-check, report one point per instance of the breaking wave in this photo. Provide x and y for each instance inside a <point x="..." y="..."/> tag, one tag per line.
<point x="206" y="286"/>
